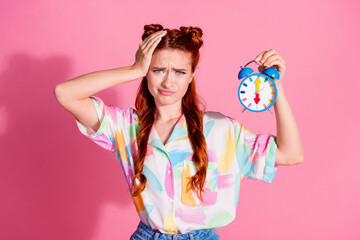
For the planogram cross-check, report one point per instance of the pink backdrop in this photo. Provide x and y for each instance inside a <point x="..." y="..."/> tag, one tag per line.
<point x="56" y="184"/>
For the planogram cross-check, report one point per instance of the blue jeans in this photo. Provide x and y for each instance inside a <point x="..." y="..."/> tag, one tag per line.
<point x="143" y="232"/>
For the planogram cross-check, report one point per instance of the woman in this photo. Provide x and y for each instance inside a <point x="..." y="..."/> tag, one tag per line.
<point x="183" y="165"/>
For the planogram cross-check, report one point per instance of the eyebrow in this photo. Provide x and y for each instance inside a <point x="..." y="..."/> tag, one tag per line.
<point x="176" y="69"/>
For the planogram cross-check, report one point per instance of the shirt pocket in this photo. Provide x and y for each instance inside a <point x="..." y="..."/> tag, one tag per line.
<point x="190" y="197"/>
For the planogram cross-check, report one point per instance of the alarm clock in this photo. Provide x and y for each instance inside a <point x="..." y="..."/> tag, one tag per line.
<point x="257" y="92"/>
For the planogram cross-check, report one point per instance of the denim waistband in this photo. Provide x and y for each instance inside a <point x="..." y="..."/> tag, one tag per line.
<point x="157" y="235"/>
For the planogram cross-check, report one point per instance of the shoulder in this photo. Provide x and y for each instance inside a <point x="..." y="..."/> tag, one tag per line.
<point x="219" y="118"/>
<point x="217" y="127"/>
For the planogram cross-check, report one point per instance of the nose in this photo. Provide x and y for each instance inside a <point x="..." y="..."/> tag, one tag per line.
<point x="168" y="80"/>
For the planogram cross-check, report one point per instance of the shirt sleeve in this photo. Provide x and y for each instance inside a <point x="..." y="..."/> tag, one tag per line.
<point x="114" y="125"/>
<point x="255" y="153"/>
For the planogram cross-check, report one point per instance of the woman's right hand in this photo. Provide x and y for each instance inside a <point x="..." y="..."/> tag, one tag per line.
<point x="146" y="49"/>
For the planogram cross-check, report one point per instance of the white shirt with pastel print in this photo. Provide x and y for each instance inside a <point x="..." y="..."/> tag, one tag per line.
<point x="233" y="152"/>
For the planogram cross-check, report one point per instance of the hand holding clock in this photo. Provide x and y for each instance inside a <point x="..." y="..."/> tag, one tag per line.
<point x="271" y="58"/>
<point x="268" y="81"/>
<point x="289" y="147"/>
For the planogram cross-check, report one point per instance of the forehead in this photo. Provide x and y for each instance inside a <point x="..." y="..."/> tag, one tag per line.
<point x="175" y="57"/>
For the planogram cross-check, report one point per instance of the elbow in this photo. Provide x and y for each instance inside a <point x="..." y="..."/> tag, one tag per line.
<point x="301" y="158"/>
<point x="59" y="93"/>
<point x="288" y="159"/>
<point x="297" y="160"/>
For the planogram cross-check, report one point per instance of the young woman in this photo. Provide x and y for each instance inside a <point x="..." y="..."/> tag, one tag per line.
<point x="183" y="165"/>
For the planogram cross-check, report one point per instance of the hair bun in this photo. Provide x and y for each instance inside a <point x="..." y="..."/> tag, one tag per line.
<point x="150" y="29"/>
<point x="195" y="33"/>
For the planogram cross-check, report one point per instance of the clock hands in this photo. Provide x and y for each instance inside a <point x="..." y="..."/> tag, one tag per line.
<point x="257" y="82"/>
<point x="257" y="99"/>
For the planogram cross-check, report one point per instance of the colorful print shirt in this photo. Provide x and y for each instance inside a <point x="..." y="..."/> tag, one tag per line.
<point x="233" y="151"/>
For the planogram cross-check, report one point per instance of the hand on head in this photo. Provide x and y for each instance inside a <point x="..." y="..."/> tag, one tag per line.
<point x="145" y="51"/>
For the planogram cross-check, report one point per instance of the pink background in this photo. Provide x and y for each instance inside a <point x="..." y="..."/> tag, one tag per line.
<point x="56" y="184"/>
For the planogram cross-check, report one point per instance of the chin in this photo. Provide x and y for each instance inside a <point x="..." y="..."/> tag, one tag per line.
<point x="167" y="100"/>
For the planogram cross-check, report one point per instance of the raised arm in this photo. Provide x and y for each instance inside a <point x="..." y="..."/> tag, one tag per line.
<point x="289" y="150"/>
<point x="73" y="95"/>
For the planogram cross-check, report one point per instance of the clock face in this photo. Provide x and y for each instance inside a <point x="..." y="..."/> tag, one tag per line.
<point x="257" y="92"/>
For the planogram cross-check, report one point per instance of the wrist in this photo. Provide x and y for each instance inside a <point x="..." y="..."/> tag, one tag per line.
<point x="280" y="94"/>
<point x="137" y="71"/>
<point x="280" y="87"/>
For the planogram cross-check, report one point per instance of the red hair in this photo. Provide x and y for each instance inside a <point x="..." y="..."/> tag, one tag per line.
<point x="187" y="39"/>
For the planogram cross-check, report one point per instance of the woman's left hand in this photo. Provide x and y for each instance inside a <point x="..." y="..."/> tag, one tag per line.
<point x="271" y="58"/>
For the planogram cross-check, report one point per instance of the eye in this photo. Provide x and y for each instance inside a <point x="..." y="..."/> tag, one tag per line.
<point x="179" y="72"/>
<point x="158" y="70"/>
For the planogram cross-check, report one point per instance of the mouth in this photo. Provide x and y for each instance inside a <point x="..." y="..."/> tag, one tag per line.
<point x="165" y="92"/>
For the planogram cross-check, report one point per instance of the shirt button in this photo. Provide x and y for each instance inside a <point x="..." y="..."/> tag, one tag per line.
<point x="169" y="171"/>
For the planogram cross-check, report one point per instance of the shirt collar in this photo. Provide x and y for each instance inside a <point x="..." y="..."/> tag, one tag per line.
<point x="179" y="132"/>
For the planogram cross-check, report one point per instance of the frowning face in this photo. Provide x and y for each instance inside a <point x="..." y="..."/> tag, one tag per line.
<point x="169" y="76"/>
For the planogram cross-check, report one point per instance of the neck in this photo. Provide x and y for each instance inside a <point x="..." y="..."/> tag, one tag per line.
<point x="167" y="113"/>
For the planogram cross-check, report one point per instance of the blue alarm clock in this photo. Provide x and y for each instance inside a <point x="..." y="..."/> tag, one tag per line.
<point x="257" y="92"/>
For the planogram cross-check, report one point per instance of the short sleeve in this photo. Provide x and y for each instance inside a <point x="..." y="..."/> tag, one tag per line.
<point x="114" y="123"/>
<point x="255" y="153"/>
